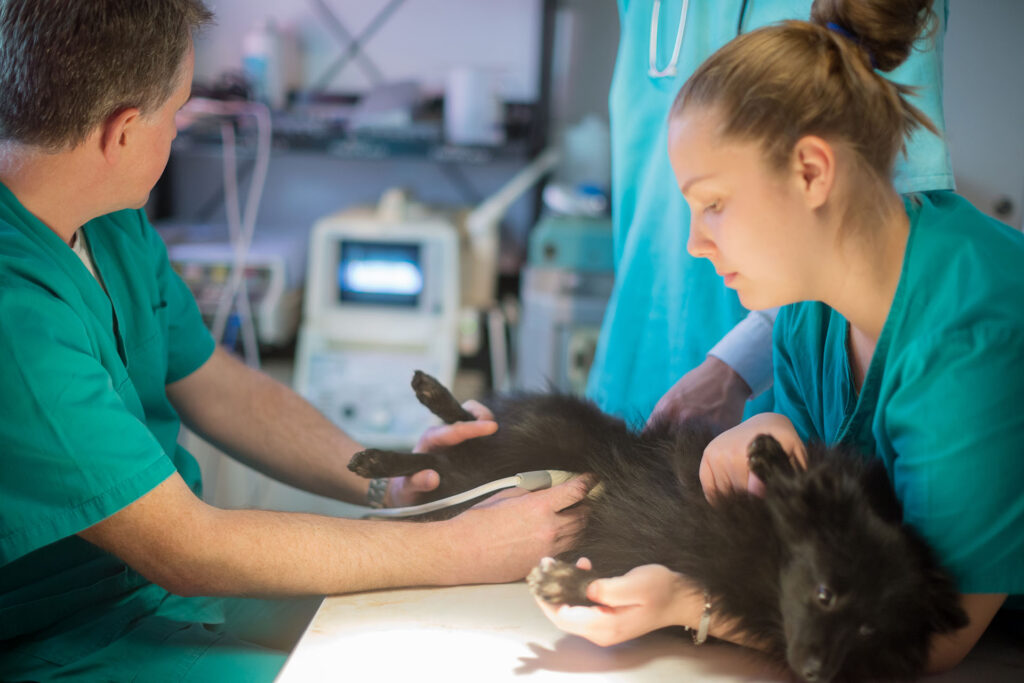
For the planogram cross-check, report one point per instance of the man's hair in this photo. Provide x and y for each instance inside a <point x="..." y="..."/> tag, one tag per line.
<point x="67" y="66"/>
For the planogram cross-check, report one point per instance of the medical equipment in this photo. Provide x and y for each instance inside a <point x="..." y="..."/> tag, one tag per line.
<point x="565" y="290"/>
<point x="382" y="301"/>
<point x="241" y="224"/>
<point x="531" y="481"/>
<point x="273" y="277"/>
<point x="386" y="289"/>
<point x="670" y="70"/>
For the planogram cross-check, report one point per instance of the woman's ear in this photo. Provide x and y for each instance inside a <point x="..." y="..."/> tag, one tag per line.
<point x="117" y="132"/>
<point x="814" y="169"/>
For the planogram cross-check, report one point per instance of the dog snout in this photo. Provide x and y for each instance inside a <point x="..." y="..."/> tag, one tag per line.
<point x="811" y="670"/>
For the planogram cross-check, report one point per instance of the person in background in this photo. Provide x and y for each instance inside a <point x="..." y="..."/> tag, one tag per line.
<point x="108" y="554"/>
<point x="661" y="345"/>
<point x="783" y="144"/>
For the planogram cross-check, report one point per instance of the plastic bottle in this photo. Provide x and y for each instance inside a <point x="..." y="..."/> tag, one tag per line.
<point x="261" y="62"/>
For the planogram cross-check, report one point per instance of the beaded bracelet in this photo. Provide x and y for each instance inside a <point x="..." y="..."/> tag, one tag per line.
<point x="375" y="494"/>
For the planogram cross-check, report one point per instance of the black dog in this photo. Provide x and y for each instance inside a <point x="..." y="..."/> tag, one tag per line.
<point x="821" y="569"/>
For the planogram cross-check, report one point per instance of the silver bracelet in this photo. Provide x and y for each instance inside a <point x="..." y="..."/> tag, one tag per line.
<point x="375" y="494"/>
<point x="701" y="634"/>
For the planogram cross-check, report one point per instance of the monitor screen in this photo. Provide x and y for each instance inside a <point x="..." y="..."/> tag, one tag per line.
<point x="380" y="273"/>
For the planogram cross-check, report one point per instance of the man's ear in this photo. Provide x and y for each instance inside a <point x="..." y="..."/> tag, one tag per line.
<point x="117" y="131"/>
<point x="814" y="169"/>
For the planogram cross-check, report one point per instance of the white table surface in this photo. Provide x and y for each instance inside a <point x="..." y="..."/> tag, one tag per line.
<point x="497" y="633"/>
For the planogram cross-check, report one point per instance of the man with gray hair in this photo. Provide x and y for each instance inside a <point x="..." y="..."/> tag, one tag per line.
<point x="108" y="555"/>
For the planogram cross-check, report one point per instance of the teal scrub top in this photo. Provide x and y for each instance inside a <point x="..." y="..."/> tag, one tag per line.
<point x="85" y="423"/>
<point x="941" y="401"/>
<point x="667" y="308"/>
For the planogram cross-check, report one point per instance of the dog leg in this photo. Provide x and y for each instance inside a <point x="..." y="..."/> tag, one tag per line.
<point x="768" y="459"/>
<point x="560" y="583"/>
<point x="373" y="463"/>
<point x="438" y="399"/>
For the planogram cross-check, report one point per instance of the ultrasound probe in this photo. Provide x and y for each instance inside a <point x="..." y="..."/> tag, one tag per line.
<point x="531" y="481"/>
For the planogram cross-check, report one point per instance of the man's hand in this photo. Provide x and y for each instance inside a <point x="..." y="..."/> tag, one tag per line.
<point x="505" y="536"/>
<point x="644" y="599"/>
<point x="404" y="491"/>
<point x="712" y="390"/>
<point x="724" y="465"/>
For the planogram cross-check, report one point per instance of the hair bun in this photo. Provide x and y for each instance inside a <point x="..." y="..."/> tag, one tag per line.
<point x="886" y="29"/>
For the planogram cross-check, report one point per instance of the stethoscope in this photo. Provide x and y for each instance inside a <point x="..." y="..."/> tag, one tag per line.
<point x="670" y="71"/>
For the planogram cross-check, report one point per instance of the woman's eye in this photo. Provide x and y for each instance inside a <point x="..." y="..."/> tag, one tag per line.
<point x="713" y="207"/>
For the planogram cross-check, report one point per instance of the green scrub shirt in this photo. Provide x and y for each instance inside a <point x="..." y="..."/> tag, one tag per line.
<point x="86" y="428"/>
<point x="668" y="308"/>
<point x="941" y="401"/>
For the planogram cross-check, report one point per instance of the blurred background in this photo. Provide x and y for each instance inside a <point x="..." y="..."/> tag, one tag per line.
<point x="361" y="189"/>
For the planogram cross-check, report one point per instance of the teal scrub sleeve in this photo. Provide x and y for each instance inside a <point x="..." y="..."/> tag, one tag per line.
<point x="189" y="343"/>
<point x="791" y="391"/>
<point x="74" y="452"/>
<point x="957" y="429"/>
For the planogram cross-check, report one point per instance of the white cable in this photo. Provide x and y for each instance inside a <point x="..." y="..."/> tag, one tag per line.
<point x="531" y="481"/>
<point x="241" y="226"/>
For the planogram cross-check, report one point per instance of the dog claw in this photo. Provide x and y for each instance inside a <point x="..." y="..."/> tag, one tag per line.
<point x="559" y="583"/>
<point x="766" y="457"/>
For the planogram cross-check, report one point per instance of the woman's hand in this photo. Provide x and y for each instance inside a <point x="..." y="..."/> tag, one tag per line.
<point x="404" y="491"/>
<point x="724" y="465"/>
<point x="643" y="600"/>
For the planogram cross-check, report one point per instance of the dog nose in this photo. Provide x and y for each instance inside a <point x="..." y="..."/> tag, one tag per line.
<point x="812" y="670"/>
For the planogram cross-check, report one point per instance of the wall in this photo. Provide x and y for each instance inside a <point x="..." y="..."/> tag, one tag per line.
<point x="984" y="101"/>
<point x="422" y="39"/>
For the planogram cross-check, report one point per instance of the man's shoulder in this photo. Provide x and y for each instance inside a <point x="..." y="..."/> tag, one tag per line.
<point x="24" y="262"/>
<point x="130" y="222"/>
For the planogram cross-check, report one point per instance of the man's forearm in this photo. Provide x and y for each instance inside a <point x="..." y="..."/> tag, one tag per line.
<point x="208" y="551"/>
<point x="318" y="555"/>
<point x="269" y="427"/>
<point x="191" y="548"/>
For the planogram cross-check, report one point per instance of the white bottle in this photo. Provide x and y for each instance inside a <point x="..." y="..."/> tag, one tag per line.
<point x="261" y="62"/>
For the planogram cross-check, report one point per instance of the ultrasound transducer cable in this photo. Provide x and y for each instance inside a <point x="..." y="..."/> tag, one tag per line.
<point x="531" y="481"/>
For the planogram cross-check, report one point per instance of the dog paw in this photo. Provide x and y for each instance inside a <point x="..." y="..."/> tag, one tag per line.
<point x="766" y="457"/>
<point x="369" y="463"/>
<point x="438" y="399"/>
<point x="560" y="583"/>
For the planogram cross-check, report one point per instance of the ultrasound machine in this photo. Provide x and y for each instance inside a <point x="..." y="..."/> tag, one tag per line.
<point x="382" y="300"/>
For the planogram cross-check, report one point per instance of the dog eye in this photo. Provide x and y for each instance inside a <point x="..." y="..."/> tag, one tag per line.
<point x="865" y="631"/>
<point x="825" y="596"/>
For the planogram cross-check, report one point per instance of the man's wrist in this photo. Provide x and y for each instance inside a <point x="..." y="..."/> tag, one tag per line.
<point x="377" y="492"/>
<point x="736" y="386"/>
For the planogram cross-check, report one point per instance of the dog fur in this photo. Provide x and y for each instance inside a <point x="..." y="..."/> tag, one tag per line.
<point x="821" y="569"/>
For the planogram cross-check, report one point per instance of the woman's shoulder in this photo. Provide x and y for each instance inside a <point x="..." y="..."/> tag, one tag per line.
<point x="962" y="267"/>
<point x="946" y="221"/>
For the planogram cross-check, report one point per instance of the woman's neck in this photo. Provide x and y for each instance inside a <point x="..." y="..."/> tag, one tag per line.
<point x="865" y="271"/>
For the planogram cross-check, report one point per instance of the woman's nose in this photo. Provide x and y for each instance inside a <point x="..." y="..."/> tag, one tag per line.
<point x="698" y="243"/>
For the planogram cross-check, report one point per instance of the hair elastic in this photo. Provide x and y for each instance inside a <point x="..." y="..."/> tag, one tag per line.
<point x="850" y="35"/>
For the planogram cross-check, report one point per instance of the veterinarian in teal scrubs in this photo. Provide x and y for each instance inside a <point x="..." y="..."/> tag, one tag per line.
<point x="909" y="342"/>
<point x="668" y="308"/>
<point x="101" y="404"/>
<point x="940" y="401"/>
<point x="103" y="533"/>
